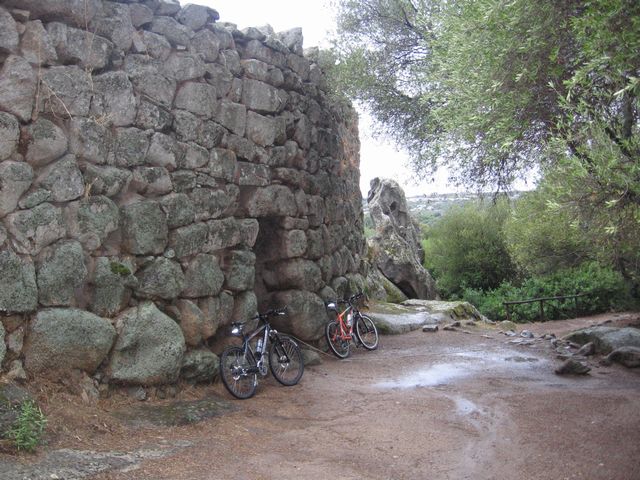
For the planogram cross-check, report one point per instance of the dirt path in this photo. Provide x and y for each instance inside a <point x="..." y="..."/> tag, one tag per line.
<point x="443" y="405"/>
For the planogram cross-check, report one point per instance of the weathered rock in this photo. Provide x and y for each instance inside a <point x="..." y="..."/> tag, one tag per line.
<point x="173" y="31"/>
<point x="189" y="240"/>
<point x="15" y="179"/>
<point x="8" y="32"/>
<point x="193" y="156"/>
<point x="203" y="277"/>
<point x="63" y="339"/>
<point x="197" y="98"/>
<point x="114" y="22"/>
<point x="245" y="306"/>
<point x="36" y="46"/>
<point x="112" y="282"/>
<point x="76" y="12"/>
<point x="183" y="66"/>
<point x="18" y="289"/>
<point x="149" y="349"/>
<point x="114" y="100"/>
<point x="35" y="228"/>
<point x="91" y="220"/>
<point x="144" y="228"/>
<point x="241" y="271"/>
<point x="196" y="16"/>
<point x="573" y="367"/>
<point x="233" y="116"/>
<point x="76" y="46"/>
<point x="587" y="349"/>
<point x="61" y="270"/>
<point x="66" y="92"/>
<point x="207" y="44"/>
<point x="627" y="356"/>
<point x="210" y="203"/>
<point x="89" y="140"/>
<point x="191" y="320"/>
<point x="161" y="278"/>
<point x="217" y="311"/>
<point x="9" y="135"/>
<point x="222" y="164"/>
<point x="199" y="366"/>
<point x="3" y="347"/>
<point x="274" y="200"/>
<point x="17" y="87"/>
<point x="108" y="181"/>
<point x="151" y="181"/>
<point x="305" y="317"/>
<point x="179" y="209"/>
<point x="606" y="339"/>
<point x="395" y="247"/>
<point x="63" y="179"/>
<point x="261" y="97"/>
<point x="131" y="147"/>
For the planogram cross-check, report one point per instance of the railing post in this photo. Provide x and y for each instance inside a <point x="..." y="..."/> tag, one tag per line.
<point x="506" y="308"/>
<point x="542" y="310"/>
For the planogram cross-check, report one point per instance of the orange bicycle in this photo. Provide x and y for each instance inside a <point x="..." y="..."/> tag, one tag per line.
<point x="350" y="325"/>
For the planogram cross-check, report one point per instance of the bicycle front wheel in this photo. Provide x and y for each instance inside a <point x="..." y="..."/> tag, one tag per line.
<point x="339" y="345"/>
<point x="367" y="332"/>
<point x="238" y="373"/>
<point x="285" y="360"/>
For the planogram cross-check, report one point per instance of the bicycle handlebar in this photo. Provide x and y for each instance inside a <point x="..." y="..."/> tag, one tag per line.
<point x="270" y="313"/>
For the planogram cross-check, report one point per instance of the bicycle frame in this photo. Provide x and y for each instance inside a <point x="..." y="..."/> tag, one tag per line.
<point x="346" y="331"/>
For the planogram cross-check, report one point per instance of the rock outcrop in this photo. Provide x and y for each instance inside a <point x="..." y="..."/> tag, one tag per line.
<point x="162" y="174"/>
<point x="395" y="249"/>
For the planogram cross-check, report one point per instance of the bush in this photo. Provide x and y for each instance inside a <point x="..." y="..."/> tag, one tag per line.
<point x="466" y="248"/>
<point x="28" y="429"/>
<point x="606" y="289"/>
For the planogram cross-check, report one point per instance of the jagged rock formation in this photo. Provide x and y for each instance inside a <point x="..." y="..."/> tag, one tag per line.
<point x="395" y="249"/>
<point x="162" y="174"/>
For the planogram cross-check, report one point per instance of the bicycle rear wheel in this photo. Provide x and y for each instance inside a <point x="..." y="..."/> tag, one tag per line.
<point x="233" y="370"/>
<point x="339" y="345"/>
<point x="285" y="360"/>
<point x="367" y="332"/>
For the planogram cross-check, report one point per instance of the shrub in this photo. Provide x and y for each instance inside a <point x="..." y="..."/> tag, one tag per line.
<point x="606" y="290"/>
<point x="27" y="431"/>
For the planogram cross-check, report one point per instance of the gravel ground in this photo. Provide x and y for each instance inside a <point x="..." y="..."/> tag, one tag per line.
<point x="443" y="405"/>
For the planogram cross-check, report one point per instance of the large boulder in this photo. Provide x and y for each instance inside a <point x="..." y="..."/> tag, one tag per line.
<point x="63" y="339"/>
<point x="306" y="315"/>
<point x="18" y="289"/>
<point x="61" y="270"/>
<point x="149" y="349"/>
<point x="396" y="247"/>
<point x="414" y="314"/>
<point x="606" y="339"/>
<point x="199" y="366"/>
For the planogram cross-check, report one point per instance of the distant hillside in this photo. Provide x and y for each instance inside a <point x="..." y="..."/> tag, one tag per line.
<point x="428" y="208"/>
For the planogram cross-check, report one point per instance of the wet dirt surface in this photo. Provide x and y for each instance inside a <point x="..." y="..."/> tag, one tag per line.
<point x="444" y="405"/>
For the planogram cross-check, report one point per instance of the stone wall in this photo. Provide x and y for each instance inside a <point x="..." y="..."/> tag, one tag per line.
<point x="161" y="175"/>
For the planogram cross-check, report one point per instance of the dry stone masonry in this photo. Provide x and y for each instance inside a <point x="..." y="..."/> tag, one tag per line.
<point x="161" y="175"/>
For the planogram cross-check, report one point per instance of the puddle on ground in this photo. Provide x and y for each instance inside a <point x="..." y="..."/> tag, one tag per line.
<point x="440" y="374"/>
<point x="465" y="406"/>
<point x="475" y="361"/>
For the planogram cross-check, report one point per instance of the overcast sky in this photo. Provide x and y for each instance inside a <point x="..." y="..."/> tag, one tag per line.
<point x="378" y="158"/>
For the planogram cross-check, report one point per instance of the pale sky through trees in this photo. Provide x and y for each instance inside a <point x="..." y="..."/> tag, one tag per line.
<point x="378" y="158"/>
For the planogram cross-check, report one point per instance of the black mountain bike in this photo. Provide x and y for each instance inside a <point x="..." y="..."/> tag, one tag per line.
<point x="240" y="366"/>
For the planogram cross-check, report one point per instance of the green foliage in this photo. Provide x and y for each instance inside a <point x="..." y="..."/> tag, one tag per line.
<point x="28" y="429"/>
<point x="542" y="238"/>
<point x="606" y="289"/>
<point x="466" y="248"/>
<point x="120" y="269"/>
